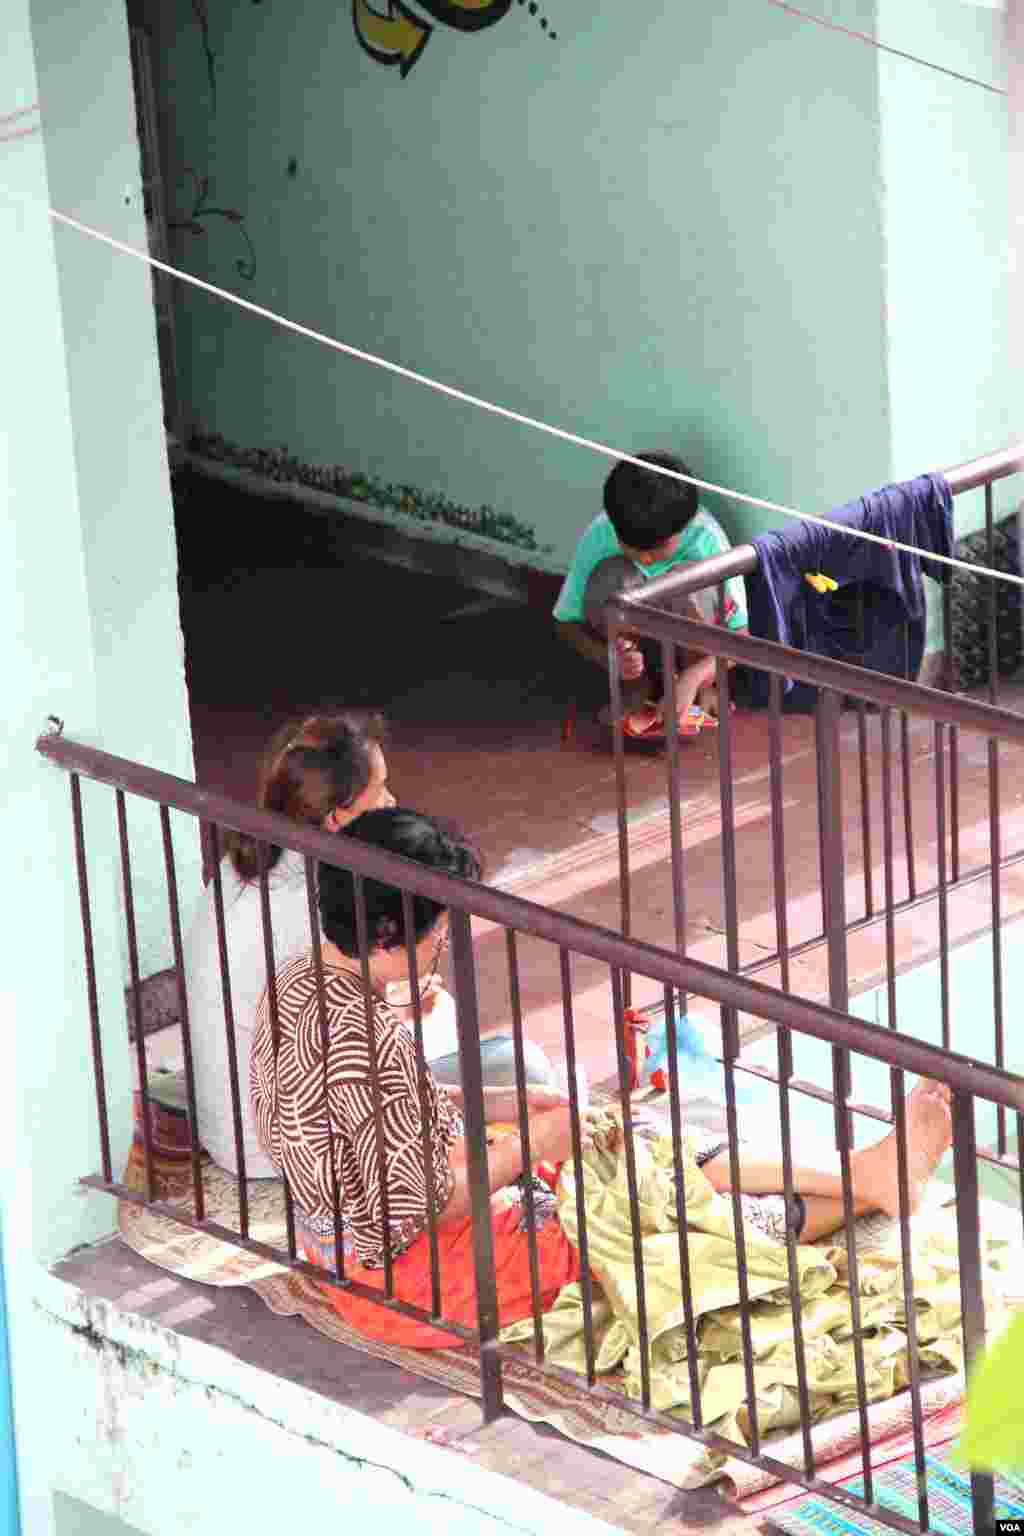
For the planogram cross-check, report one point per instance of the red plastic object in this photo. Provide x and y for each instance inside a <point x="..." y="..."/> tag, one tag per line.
<point x="635" y="1026"/>
<point x="548" y="1174"/>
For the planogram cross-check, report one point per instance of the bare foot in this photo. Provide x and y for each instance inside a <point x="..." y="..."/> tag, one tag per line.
<point x="929" y="1135"/>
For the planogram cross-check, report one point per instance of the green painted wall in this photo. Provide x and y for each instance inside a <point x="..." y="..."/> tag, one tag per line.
<point x="727" y="230"/>
<point x="88" y="593"/>
<point x="944" y="163"/>
<point x="945" y="171"/>
<point x="664" y="227"/>
<point x="113" y="383"/>
<point x="46" y="1131"/>
<point x="73" y="1518"/>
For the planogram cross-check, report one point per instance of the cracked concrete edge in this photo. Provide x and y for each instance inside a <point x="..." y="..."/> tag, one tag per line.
<point x="139" y="1350"/>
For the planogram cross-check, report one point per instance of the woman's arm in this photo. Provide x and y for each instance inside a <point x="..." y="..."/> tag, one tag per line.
<point x="550" y="1141"/>
<point x="501" y="1105"/>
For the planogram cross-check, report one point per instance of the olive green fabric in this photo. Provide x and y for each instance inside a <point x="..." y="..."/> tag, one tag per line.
<point x="824" y="1293"/>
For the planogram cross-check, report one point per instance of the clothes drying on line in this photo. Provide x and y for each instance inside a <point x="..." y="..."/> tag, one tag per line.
<point x="884" y="584"/>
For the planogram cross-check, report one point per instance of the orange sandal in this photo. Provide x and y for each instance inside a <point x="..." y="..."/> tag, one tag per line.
<point x="648" y="724"/>
<point x="644" y="724"/>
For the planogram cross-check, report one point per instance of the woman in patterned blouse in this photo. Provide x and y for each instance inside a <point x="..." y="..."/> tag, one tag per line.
<point x="288" y="1100"/>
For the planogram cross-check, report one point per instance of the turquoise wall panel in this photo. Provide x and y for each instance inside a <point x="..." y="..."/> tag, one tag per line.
<point x="663" y="227"/>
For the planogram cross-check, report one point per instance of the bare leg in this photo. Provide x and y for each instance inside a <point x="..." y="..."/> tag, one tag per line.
<point x="821" y="1216"/>
<point x="874" y="1170"/>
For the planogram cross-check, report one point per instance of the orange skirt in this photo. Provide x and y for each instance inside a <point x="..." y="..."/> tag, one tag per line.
<point x="558" y="1263"/>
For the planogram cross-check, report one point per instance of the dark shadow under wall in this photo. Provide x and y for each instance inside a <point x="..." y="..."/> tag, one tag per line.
<point x="280" y="618"/>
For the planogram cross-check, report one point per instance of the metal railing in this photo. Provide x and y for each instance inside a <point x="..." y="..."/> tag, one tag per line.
<point x="571" y="941"/>
<point x="897" y="702"/>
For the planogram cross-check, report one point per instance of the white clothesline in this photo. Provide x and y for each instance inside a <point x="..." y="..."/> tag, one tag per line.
<point x="876" y="42"/>
<point x="452" y="392"/>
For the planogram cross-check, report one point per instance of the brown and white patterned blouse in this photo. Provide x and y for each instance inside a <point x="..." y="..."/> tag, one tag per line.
<point x="288" y="1104"/>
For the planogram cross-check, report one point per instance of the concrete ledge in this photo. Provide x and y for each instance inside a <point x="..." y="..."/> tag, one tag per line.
<point x="171" y="1434"/>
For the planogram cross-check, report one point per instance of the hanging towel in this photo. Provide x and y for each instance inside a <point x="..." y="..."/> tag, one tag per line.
<point x="784" y="607"/>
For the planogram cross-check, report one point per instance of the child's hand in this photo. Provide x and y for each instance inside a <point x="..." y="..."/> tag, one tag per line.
<point x="631" y="660"/>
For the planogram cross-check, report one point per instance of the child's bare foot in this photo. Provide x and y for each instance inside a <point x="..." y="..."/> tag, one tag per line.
<point x="929" y="1135"/>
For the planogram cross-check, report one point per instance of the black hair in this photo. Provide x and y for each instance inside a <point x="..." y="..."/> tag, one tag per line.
<point x="646" y="509"/>
<point x="422" y="839"/>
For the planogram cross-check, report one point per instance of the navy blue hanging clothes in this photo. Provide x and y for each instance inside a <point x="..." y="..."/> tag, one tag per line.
<point x="784" y="607"/>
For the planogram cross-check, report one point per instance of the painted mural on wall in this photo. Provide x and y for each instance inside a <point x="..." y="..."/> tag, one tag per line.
<point x="397" y="32"/>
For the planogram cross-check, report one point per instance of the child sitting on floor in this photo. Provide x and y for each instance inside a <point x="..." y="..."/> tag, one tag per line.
<point x="651" y="524"/>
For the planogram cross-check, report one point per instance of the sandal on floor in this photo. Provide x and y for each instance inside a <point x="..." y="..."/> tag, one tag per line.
<point x="644" y="725"/>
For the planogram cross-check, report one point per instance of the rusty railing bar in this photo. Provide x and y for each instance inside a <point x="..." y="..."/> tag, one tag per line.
<point x="954" y="733"/>
<point x="376" y="1097"/>
<point x="467" y="1019"/>
<point x="559" y="928"/>
<point x="426" y="1140"/>
<point x="981" y="471"/>
<point x="675" y="818"/>
<point x="136" y="996"/>
<point x="784" y="1043"/>
<point x="830" y="795"/>
<point x="865" y="774"/>
<point x="619" y="756"/>
<point x="213" y="842"/>
<point x="317" y="955"/>
<point x="515" y="1000"/>
<point x="198" y="1192"/>
<point x="778" y="832"/>
<point x="940" y="840"/>
<point x="730" y="1025"/>
<point x="682" y="1231"/>
<point x="908" y="797"/>
<point x="632" y="1190"/>
<point x="972" y="1301"/>
<point x="95" y="1033"/>
<point x="730" y="1051"/>
<point x="889" y="882"/>
<point x="572" y="1087"/>
<point x="994" y="805"/>
<point x="899" y="1115"/>
<point x="267" y="925"/>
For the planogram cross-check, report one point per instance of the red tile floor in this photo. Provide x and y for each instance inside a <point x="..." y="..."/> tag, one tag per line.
<point x="279" y="618"/>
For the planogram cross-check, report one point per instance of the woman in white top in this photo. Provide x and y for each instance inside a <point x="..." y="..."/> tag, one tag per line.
<point x="323" y="771"/>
